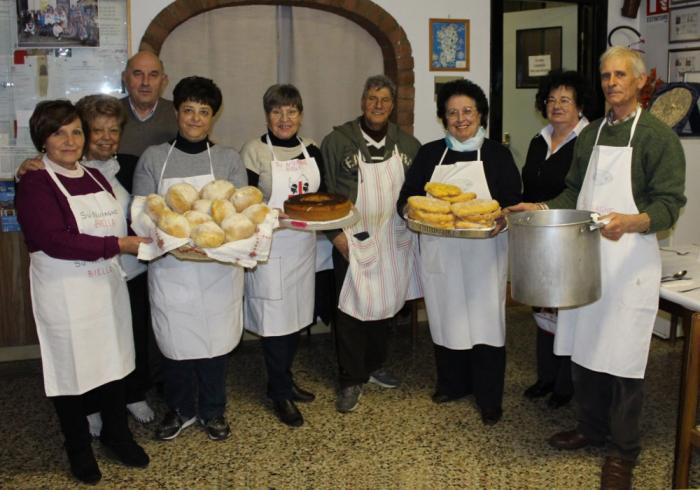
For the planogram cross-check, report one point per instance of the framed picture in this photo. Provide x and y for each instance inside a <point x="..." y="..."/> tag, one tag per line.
<point x="674" y="4"/>
<point x="682" y="61"/>
<point x="449" y="45"/>
<point x="537" y="52"/>
<point x="655" y="7"/>
<point x="440" y="81"/>
<point x="57" y="24"/>
<point x="684" y="24"/>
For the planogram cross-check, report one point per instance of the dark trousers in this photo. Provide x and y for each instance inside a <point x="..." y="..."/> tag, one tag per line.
<point x="553" y="369"/>
<point x="279" y="355"/>
<point x="361" y="346"/>
<point x="139" y="381"/>
<point x="609" y="406"/>
<point x="71" y="416"/>
<point x="324" y="296"/>
<point x="179" y="378"/>
<point x="479" y="370"/>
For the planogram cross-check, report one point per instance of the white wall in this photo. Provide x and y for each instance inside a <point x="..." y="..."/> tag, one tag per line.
<point x="413" y="17"/>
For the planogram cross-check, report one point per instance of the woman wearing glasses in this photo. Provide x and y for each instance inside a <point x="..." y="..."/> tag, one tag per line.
<point x="279" y="294"/>
<point x="464" y="281"/>
<point x="561" y="98"/>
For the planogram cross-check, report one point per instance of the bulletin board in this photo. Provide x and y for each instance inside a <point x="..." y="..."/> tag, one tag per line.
<point x="55" y="49"/>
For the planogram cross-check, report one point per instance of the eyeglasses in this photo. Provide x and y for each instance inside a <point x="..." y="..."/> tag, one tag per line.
<point x="291" y="114"/>
<point x="467" y="112"/>
<point x="563" y="102"/>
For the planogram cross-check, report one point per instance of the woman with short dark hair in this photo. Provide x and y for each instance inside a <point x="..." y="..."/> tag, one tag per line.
<point x="561" y="98"/>
<point x="279" y="294"/>
<point x="75" y="229"/>
<point x="196" y="307"/>
<point x="464" y="280"/>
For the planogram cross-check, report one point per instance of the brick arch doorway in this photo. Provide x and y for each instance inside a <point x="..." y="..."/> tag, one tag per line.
<point x="396" y="50"/>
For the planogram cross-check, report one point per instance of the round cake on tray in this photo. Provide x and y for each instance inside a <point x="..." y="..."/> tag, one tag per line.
<point x="317" y="206"/>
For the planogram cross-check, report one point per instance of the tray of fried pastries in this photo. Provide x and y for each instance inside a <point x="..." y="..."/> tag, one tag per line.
<point x="447" y="211"/>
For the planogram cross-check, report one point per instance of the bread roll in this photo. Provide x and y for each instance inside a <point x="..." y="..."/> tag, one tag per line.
<point x="475" y="206"/>
<point x="440" y="190"/>
<point x="256" y="213"/>
<point x="174" y="224"/>
<point x="465" y="196"/>
<point x="208" y="235"/>
<point x="237" y="227"/>
<point x="245" y="197"/>
<point x="196" y="217"/>
<point x="221" y="209"/>
<point x="428" y="204"/>
<point x="180" y="197"/>
<point x="155" y="206"/>
<point x="202" y="205"/>
<point x="217" y="189"/>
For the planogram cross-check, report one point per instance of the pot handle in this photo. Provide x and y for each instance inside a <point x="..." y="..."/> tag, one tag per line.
<point x="597" y="223"/>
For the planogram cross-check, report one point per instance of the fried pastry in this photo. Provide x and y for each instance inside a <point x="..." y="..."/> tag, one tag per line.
<point x="440" y="190"/>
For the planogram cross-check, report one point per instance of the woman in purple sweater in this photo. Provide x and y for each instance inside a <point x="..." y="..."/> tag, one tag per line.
<point x="75" y="230"/>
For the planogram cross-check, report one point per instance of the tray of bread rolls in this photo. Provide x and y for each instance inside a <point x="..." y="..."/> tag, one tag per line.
<point x="447" y="211"/>
<point x="217" y="223"/>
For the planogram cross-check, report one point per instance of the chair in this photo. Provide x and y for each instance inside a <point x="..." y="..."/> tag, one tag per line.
<point x="688" y="436"/>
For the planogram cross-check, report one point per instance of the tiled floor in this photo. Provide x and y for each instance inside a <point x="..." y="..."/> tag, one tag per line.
<point x="395" y="439"/>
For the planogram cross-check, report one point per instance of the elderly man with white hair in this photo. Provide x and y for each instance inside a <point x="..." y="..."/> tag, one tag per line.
<point x="630" y="168"/>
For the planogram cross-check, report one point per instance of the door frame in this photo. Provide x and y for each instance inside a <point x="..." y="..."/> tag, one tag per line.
<point x="592" y="28"/>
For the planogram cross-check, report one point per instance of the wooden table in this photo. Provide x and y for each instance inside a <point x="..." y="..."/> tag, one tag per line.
<point x="686" y="307"/>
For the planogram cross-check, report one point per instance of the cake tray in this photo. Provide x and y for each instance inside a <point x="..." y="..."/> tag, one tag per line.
<point x="296" y="224"/>
<point x="420" y="227"/>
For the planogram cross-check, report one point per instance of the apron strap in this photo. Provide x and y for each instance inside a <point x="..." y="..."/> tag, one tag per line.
<point x="478" y="155"/>
<point x="634" y="127"/>
<point x="165" y="163"/>
<point x="274" y="157"/>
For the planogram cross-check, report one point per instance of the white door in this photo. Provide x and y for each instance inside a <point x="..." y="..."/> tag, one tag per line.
<point x="521" y="121"/>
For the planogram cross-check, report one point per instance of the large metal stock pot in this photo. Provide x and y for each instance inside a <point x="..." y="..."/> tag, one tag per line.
<point x="554" y="258"/>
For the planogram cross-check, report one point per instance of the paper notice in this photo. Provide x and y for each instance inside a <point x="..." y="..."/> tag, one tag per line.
<point x="539" y="66"/>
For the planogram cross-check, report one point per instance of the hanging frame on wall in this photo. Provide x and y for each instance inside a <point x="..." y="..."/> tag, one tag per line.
<point x="684" y="24"/>
<point x="676" y="104"/>
<point x="537" y="52"/>
<point x="449" y="45"/>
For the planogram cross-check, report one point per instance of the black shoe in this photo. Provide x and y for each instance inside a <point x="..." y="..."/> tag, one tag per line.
<point x="128" y="453"/>
<point x="288" y="413"/>
<point x="171" y="426"/>
<point x="556" y="400"/>
<point x="491" y="416"/>
<point x="83" y="466"/>
<point x="439" y="397"/>
<point x="217" y="428"/>
<point x="538" y="390"/>
<point x="300" y="395"/>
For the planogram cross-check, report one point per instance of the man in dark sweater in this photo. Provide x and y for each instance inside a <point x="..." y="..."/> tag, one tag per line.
<point x="630" y="168"/>
<point x="150" y="121"/>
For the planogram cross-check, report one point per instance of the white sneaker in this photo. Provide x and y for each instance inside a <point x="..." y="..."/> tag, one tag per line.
<point x="141" y="411"/>
<point x="95" y="424"/>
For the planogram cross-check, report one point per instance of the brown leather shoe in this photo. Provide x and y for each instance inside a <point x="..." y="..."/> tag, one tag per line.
<point x="571" y="439"/>
<point x="617" y="474"/>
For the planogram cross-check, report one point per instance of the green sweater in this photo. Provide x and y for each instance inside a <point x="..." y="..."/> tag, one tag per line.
<point x="658" y="168"/>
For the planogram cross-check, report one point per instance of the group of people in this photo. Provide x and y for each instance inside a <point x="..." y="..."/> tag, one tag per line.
<point x="77" y="21"/>
<point x="627" y="166"/>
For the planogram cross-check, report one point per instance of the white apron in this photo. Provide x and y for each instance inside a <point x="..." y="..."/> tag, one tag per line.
<point x="464" y="280"/>
<point x="81" y="308"/>
<point x="383" y="270"/>
<point x="196" y="307"/>
<point x="130" y="264"/>
<point x="612" y="335"/>
<point x="279" y="294"/>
